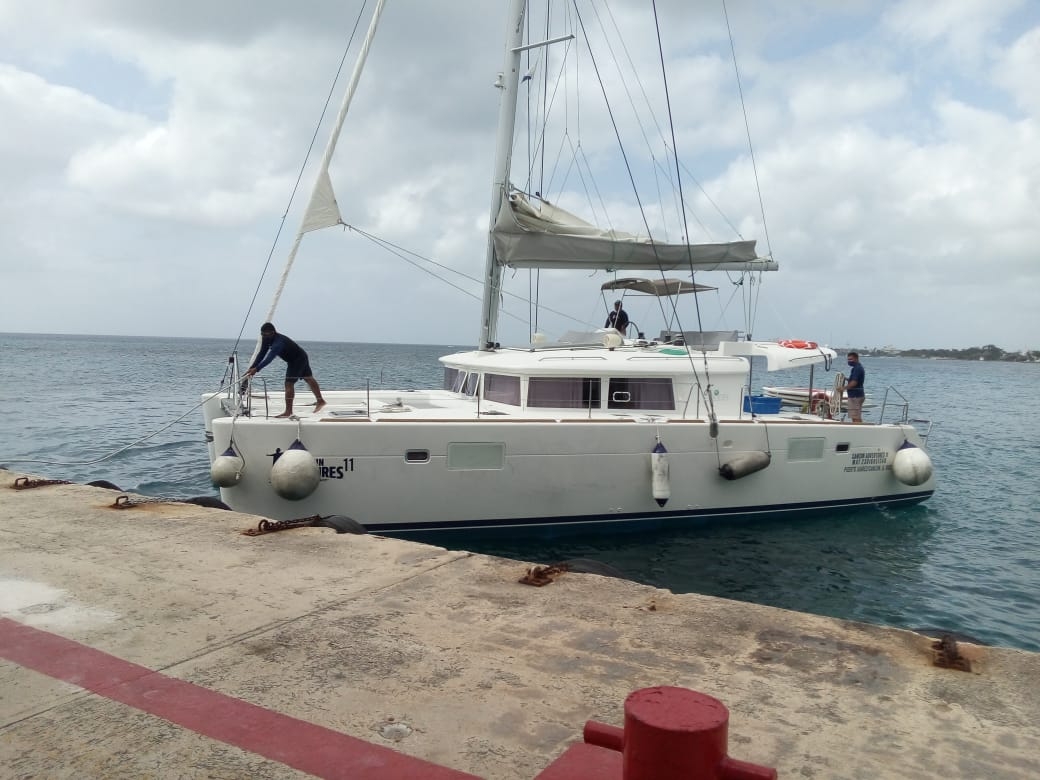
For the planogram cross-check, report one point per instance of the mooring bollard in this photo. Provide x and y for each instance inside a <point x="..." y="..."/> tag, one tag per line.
<point x="669" y="734"/>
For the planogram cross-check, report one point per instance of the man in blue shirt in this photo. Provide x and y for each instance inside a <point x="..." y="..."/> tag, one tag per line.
<point x="854" y="388"/>
<point x="617" y="319"/>
<point x="273" y="344"/>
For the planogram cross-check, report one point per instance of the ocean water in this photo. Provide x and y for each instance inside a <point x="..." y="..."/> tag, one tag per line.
<point x="968" y="560"/>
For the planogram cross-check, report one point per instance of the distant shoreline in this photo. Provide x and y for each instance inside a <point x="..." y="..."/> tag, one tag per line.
<point x="990" y="352"/>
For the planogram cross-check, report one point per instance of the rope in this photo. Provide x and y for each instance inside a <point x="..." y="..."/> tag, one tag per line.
<point x="116" y="452"/>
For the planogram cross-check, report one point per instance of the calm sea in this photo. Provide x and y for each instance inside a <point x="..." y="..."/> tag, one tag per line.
<point x="968" y="560"/>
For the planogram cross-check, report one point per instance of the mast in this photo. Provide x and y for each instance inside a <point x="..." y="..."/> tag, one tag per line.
<point x="508" y="82"/>
<point x="322" y="211"/>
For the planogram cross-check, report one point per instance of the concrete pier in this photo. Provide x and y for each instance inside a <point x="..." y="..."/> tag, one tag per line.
<point x="159" y="641"/>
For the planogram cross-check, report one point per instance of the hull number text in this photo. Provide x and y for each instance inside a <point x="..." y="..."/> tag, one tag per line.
<point x="334" y="469"/>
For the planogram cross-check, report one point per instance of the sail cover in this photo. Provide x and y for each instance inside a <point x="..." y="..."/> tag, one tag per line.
<point x="547" y="236"/>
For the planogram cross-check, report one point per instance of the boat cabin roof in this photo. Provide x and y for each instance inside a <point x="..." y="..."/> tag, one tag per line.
<point x="655" y="360"/>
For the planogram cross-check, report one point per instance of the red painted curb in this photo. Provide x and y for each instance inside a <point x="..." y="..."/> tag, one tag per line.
<point x="295" y="743"/>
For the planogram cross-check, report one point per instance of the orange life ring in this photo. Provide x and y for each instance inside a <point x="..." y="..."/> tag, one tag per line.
<point x="798" y="344"/>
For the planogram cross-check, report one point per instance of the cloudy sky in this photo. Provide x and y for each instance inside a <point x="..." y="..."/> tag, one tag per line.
<point x="149" y="151"/>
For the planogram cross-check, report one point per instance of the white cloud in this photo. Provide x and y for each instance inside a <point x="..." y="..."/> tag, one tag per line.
<point x="1016" y="71"/>
<point x="151" y="150"/>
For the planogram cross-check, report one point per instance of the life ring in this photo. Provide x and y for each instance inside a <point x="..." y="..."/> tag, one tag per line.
<point x="821" y="407"/>
<point x="798" y="344"/>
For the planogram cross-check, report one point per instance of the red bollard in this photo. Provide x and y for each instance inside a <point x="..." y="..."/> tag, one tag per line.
<point x="669" y="734"/>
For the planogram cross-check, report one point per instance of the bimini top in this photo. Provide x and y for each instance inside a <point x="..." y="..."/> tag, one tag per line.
<point x="658" y="287"/>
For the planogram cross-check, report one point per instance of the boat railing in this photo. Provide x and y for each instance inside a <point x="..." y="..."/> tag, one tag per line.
<point x="245" y="395"/>
<point x="901" y="409"/>
<point x="239" y="400"/>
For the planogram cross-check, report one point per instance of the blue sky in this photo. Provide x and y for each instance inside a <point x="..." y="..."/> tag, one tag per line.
<point x="149" y="152"/>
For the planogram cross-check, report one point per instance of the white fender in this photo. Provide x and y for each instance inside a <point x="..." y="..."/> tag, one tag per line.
<point x="911" y="465"/>
<point x="747" y="463"/>
<point x="660" y="488"/>
<point x="295" y="474"/>
<point x="226" y="469"/>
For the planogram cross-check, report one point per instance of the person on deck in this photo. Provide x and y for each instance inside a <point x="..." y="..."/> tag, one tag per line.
<point x="274" y="344"/>
<point x="854" y="387"/>
<point x="617" y="319"/>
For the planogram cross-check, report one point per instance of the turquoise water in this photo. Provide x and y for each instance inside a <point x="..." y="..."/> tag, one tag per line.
<point x="968" y="560"/>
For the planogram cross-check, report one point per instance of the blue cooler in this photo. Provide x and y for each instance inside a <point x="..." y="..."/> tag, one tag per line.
<point x="762" y="404"/>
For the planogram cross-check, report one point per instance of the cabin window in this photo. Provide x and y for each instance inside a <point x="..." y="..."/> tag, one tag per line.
<point x="451" y="377"/>
<point x="563" y="392"/>
<point x="805" y="449"/>
<point x="476" y="456"/>
<point x="459" y="381"/>
<point x="417" y="456"/>
<point x="641" y="393"/>
<point x="503" y="389"/>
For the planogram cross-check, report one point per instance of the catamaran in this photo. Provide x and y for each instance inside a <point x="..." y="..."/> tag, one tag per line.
<point x="598" y="429"/>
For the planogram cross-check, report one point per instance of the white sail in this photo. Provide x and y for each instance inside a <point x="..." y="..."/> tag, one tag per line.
<point x="322" y="211"/>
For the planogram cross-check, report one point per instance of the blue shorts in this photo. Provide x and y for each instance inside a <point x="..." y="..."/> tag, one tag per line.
<point x="297" y="370"/>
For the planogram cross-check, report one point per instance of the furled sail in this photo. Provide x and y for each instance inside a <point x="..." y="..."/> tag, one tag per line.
<point x="322" y="211"/>
<point x="546" y="236"/>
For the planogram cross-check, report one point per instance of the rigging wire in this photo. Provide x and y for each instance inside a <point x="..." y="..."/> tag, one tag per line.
<point x="299" y="176"/>
<point x="705" y="390"/>
<point x="403" y="254"/>
<point x="753" y="304"/>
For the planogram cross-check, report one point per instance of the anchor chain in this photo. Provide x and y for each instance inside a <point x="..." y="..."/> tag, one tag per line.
<point x="270" y="526"/>
<point x="125" y="502"/>
<point x="24" y="483"/>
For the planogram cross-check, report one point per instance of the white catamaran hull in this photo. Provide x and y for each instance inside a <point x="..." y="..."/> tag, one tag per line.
<point x="416" y="470"/>
<point x="595" y="430"/>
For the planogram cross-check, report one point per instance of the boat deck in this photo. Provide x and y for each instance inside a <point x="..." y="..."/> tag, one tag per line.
<point x="356" y="405"/>
<point x="159" y="641"/>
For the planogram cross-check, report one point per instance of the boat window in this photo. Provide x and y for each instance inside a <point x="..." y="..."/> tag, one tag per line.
<point x="805" y="449"/>
<point x="417" y="456"/>
<point x="563" y="392"/>
<point x="641" y="393"/>
<point x="476" y="456"/>
<point x="459" y="381"/>
<point x="501" y="388"/>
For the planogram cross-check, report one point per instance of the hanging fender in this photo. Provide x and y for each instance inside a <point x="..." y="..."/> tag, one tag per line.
<point x="911" y="465"/>
<point x="660" y="488"/>
<point x="295" y="474"/>
<point x="227" y="467"/>
<point x="744" y="464"/>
